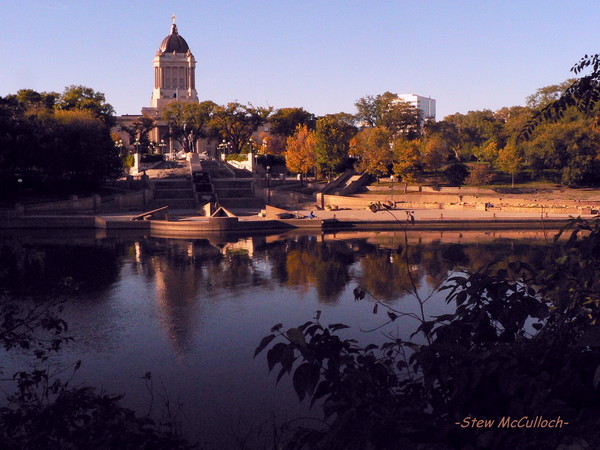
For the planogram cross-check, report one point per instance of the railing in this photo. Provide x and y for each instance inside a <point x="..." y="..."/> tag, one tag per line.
<point x="157" y="214"/>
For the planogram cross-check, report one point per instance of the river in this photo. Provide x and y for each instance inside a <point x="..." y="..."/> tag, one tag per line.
<point x="192" y="311"/>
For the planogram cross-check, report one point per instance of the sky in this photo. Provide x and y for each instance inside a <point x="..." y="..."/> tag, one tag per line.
<point x="320" y="55"/>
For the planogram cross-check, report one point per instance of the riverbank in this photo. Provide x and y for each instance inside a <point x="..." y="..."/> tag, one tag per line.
<point x="189" y="223"/>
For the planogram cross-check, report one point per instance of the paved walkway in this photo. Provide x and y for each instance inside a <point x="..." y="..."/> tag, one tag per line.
<point x="180" y="168"/>
<point x="364" y="215"/>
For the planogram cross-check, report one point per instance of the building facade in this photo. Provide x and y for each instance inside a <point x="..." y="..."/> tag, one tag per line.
<point x="174" y="69"/>
<point x="424" y="104"/>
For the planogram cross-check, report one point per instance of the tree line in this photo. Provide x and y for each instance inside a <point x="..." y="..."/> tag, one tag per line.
<point x="52" y="139"/>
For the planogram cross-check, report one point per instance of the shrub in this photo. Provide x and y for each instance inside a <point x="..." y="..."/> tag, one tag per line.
<point x="128" y="161"/>
<point x="237" y="157"/>
<point x="456" y="174"/>
<point x="480" y="175"/>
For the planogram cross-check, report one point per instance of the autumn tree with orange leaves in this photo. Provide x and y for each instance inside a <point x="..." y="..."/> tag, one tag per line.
<point x="300" y="150"/>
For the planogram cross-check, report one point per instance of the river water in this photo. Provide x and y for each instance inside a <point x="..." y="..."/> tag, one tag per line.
<point x="192" y="311"/>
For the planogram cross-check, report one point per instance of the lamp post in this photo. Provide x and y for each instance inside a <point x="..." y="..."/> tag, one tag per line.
<point x="268" y="184"/>
<point x="136" y="157"/>
<point x="162" y="146"/>
<point x="222" y="148"/>
<point x="119" y="145"/>
<point x="392" y="180"/>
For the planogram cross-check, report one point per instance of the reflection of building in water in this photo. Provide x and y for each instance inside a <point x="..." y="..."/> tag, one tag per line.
<point x="243" y="245"/>
<point x="179" y="278"/>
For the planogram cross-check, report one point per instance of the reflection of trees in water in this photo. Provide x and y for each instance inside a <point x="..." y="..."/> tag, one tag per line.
<point x="310" y="262"/>
<point x="187" y="274"/>
<point x="30" y="267"/>
<point x="385" y="272"/>
<point x="389" y="274"/>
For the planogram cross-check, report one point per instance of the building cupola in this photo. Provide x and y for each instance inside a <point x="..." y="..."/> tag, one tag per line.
<point x="174" y="72"/>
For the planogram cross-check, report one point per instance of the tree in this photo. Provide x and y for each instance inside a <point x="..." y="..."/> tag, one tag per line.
<point x="456" y="174"/>
<point x="189" y="122"/>
<point x="480" y="175"/>
<point x="371" y="109"/>
<point x="49" y="149"/>
<point x="300" y="154"/>
<point x="401" y="118"/>
<point x="85" y="98"/>
<point x="569" y="147"/>
<point x="139" y="130"/>
<point x="435" y="153"/>
<point x="236" y="123"/>
<point x="583" y="95"/>
<point x="407" y="160"/>
<point x="284" y="122"/>
<point x="33" y="99"/>
<point x="82" y="152"/>
<point x="333" y="134"/>
<point x="510" y="161"/>
<point x="371" y="146"/>
<point x="488" y="152"/>
<point x="389" y="111"/>
<point x="449" y="133"/>
<point x="548" y="94"/>
<point x="269" y="144"/>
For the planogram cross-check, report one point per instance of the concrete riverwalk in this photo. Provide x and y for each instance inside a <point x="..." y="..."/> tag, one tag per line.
<point x="190" y="223"/>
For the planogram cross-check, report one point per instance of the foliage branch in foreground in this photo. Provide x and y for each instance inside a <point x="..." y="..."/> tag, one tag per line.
<point x="45" y="411"/>
<point x="519" y="343"/>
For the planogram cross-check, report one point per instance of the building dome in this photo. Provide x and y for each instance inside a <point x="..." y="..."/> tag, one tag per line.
<point x="174" y="43"/>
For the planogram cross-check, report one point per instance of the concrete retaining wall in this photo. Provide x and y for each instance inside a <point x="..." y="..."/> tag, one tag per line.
<point x="120" y="202"/>
<point x="453" y="202"/>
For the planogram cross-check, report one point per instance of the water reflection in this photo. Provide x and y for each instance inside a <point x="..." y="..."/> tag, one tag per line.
<point x="193" y="310"/>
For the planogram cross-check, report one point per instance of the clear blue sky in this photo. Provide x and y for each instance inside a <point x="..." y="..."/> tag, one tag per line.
<point x="321" y="55"/>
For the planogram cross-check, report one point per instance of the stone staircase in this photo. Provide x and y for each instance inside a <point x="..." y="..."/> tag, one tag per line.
<point x="233" y="188"/>
<point x="176" y="193"/>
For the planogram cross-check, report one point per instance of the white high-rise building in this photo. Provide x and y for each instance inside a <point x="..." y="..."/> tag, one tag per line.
<point x="424" y="104"/>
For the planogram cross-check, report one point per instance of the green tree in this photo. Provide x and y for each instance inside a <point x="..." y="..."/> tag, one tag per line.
<point x="33" y="99"/>
<point x="333" y="134"/>
<point x="435" y="153"/>
<point x="583" y="95"/>
<point x="510" y="161"/>
<point x="456" y="173"/>
<point x="371" y="146"/>
<point x="488" y="152"/>
<point x="236" y="123"/>
<point x="569" y="147"/>
<point x="548" y="94"/>
<point x="284" y="121"/>
<point x="401" y="118"/>
<point x="189" y="122"/>
<point x="475" y="129"/>
<point x="449" y="133"/>
<point x="49" y="149"/>
<point x="389" y="111"/>
<point x="139" y="130"/>
<point x="85" y="98"/>
<point x="83" y="152"/>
